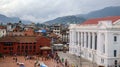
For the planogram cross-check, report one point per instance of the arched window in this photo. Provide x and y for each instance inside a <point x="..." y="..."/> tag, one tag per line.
<point x="115" y="53"/>
<point x="115" y="38"/>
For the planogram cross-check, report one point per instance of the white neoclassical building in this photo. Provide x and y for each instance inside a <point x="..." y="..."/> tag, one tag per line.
<point x="97" y="40"/>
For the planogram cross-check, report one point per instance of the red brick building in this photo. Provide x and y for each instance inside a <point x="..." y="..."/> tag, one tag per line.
<point x="24" y="45"/>
<point x="29" y="32"/>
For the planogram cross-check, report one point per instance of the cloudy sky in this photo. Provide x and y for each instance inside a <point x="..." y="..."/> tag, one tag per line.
<point x="43" y="10"/>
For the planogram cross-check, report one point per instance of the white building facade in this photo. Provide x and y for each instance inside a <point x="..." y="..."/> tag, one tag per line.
<point x="97" y="40"/>
<point x="2" y="32"/>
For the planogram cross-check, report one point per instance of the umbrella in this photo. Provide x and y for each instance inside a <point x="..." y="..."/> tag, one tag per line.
<point x="22" y="65"/>
<point x="43" y="65"/>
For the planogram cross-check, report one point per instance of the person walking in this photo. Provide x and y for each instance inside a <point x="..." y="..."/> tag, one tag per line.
<point x="16" y="59"/>
<point x="66" y="63"/>
<point x="62" y="60"/>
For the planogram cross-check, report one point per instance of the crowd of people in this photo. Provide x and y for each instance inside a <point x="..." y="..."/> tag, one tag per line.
<point x="59" y="60"/>
<point x="55" y="57"/>
<point x="51" y="56"/>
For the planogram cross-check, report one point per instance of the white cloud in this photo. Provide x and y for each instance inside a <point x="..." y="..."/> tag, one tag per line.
<point x="42" y="10"/>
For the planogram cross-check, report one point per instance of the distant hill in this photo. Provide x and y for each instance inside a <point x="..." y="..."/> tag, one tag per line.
<point x="67" y="19"/>
<point x="5" y="19"/>
<point x="108" y="11"/>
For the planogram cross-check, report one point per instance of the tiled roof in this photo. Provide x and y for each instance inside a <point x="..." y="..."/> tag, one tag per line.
<point x="7" y="39"/>
<point x="95" y="21"/>
<point x="53" y="35"/>
<point x="22" y="39"/>
<point x="2" y="27"/>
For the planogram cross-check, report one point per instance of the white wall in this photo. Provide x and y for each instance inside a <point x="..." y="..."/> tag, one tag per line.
<point x="105" y="41"/>
<point x="2" y="32"/>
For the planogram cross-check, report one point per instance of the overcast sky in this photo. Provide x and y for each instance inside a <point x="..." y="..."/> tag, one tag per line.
<point x="43" y="10"/>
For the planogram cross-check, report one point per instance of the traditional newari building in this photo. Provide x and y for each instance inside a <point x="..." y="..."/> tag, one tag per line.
<point x="22" y="45"/>
<point x="97" y="40"/>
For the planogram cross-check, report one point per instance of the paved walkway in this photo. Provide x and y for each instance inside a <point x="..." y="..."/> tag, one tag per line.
<point x="9" y="62"/>
<point x="72" y="59"/>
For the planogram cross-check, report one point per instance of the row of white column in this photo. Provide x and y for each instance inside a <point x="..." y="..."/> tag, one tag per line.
<point x="84" y="39"/>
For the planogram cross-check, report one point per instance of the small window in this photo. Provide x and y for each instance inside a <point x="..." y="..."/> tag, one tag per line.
<point x="115" y="62"/>
<point x="18" y="47"/>
<point x="34" y="47"/>
<point x="102" y="60"/>
<point x="30" y="43"/>
<point x="115" y="53"/>
<point x="5" y="48"/>
<point x="22" y="47"/>
<point x="30" y="47"/>
<point x="115" y="38"/>
<point x="26" y="47"/>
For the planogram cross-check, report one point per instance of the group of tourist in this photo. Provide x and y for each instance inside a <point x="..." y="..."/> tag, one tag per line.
<point x="15" y="58"/>
<point x="54" y="56"/>
<point x="61" y="61"/>
<point x="64" y="62"/>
